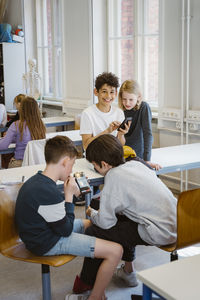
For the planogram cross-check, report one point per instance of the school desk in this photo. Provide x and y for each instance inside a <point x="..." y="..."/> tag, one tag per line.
<point x="52" y="122"/>
<point x="74" y="135"/>
<point x="177" y="280"/>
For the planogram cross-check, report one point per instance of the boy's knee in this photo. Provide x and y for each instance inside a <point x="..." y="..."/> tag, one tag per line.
<point x="117" y="250"/>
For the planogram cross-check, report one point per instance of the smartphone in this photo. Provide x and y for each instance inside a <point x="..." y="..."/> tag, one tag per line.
<point x="126" y="120"/>
<point x="82" y="182"/>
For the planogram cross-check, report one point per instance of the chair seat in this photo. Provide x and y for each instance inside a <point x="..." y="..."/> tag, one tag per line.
<point x="19" y="252"/>
<point x="169" y="248"/>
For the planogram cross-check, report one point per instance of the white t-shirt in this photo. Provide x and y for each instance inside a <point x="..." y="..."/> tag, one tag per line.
<point x="3" y="115"/>
<point x="94" y="121"/>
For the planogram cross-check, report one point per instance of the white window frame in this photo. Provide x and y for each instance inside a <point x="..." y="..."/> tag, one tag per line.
<point x="138" y="38"/>
<point x="57" y="49"/>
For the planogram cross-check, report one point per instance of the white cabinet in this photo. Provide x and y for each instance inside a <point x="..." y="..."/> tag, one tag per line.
<point x="12" y="68"/>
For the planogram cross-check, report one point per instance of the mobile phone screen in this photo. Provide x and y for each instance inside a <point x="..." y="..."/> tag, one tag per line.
<point x="126" y="120"/>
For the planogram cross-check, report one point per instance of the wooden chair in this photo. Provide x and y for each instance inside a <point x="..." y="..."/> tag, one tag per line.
<point x="188" y="225"/>
<point x="188" y="222"/>
<point x="12" y="247"/>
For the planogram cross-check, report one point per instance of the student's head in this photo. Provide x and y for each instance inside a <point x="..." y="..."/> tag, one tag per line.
<point x="61" y="152"/>
<point x="18" y="99"/>
<point x="29" y="115"/>
<point x="106" y="85"/>
<point x="130" y="96"/>
<point x="105" y="152"/>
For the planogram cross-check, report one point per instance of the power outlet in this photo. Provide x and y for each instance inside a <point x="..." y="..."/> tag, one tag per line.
<point x="170" y="113"/>
<point x="193" y="115"/>
<point x="193" y="126"/>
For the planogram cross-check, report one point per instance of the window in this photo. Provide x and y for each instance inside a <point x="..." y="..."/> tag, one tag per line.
<point x="133" y="43"/>
<point x="49" y="47"/>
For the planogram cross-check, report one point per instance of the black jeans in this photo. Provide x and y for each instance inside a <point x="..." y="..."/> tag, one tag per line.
<point x="125" y="232"/>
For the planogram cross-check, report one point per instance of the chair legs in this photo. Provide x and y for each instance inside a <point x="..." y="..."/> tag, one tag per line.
<point x="46" y="282"/>
<point x="174" y="255"/>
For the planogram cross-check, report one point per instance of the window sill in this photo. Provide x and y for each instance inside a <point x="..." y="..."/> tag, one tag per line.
<point x="53" y="103"/>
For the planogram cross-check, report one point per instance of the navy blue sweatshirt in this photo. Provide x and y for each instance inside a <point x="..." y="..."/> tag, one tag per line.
<point x="139" y="136"/>
<point x="42" y="215"/>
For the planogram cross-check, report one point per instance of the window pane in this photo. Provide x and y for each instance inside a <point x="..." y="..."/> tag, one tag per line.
<point x="121" y="18"/>
<point x="121" y="58"/>
<point x="151" y="69"/>
<point x="152" y="16"/>
<point x="127" y="17"/>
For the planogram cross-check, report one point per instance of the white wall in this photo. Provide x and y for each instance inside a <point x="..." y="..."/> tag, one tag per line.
<point x="30" y="29"/>
<point x="172" y="70"/>
<point x="78" y="63"/>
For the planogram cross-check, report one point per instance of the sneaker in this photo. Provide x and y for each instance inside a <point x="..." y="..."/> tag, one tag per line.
<point x="80" y="287"/>
<point x="76" y="297"/>
<point x="129" y="278"/>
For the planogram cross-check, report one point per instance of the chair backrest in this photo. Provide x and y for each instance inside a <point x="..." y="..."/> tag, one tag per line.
<point x="188" y="218"/>
<point x="34" y="153"/>
<point x="8" y="230"/>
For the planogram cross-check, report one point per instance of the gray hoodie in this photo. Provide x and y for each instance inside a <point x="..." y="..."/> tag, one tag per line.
<point x="135" y="191"/>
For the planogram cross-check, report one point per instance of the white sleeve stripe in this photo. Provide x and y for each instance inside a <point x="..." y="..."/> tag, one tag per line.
<point x="52" y="212"/>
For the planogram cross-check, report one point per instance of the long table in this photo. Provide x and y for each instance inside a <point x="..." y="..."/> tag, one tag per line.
<point x="51" y="122"/>
<point x="58" y="121"/>
<point x="172" y="159"/>
<point x="74" y="135"/>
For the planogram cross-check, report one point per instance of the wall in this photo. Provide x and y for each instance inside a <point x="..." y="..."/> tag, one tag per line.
<point x="30" y="29"/>
<point x="78" y="64"/>
<point x="174" y="87"/>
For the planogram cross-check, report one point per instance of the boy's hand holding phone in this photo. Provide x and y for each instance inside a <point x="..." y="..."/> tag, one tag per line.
<point x="125" y="125"/>
<point x="71" y="188"/>
<point x="113" y="126"/>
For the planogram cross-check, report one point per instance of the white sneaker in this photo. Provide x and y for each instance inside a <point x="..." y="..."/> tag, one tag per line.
<point x="77" y="296"/>
<point x="129" y="278"/>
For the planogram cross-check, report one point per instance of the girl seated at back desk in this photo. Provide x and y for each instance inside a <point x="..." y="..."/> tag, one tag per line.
<point x="28" y="127"/>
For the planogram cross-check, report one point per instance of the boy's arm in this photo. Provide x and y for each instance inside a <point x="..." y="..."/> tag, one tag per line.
<point x="110" y="205"/>
<point x="88" y="138"/>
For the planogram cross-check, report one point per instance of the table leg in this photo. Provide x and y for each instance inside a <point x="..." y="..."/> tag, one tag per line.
<point x="87" y="201"/>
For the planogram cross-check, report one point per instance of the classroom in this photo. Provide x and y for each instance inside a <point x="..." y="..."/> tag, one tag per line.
<point x="99" y="100"/>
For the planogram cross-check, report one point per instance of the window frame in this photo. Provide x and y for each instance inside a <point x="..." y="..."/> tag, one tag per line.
<point x="138" y="37"/>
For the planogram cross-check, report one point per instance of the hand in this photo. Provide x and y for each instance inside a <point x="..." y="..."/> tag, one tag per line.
<point x="88" y="211"/>
<point x="125" y="131"/>
<point x="154" y="165"/>
<point x="113" y="126"/>
<point x="71" y="188"/>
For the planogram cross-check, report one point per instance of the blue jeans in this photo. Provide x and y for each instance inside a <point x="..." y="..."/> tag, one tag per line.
<point x="76" y="244"/>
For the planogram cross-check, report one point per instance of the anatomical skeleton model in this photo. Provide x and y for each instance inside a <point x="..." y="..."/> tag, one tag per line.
<point x="33" y="82"/>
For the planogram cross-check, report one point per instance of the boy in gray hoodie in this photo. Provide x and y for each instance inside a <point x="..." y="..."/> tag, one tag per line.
<point x="136" y="208"/>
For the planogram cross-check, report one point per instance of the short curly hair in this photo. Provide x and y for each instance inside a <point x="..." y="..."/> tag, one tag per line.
<point x="106" y="78"/>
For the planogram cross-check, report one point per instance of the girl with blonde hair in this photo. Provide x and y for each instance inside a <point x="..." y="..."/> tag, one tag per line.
<point x="28" y="127"/>
<point x="139" y="136"/>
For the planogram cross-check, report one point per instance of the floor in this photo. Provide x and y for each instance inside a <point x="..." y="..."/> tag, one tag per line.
<point x="22" y="281"/>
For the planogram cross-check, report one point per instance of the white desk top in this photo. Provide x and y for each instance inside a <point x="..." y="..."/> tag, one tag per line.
<point x="51" y="120"/>
<point x="74" y="135"/>
<point x="15" y="175"/>
<point x="177" y="158"/>
<point x="171" y="158"/>
<point x="177" y="280"/>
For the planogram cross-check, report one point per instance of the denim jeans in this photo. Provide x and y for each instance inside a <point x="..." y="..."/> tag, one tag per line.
<point x="76" y="244"/>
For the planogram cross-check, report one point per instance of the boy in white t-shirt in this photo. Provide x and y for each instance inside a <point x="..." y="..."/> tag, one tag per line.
<point x="102" y="118"/>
